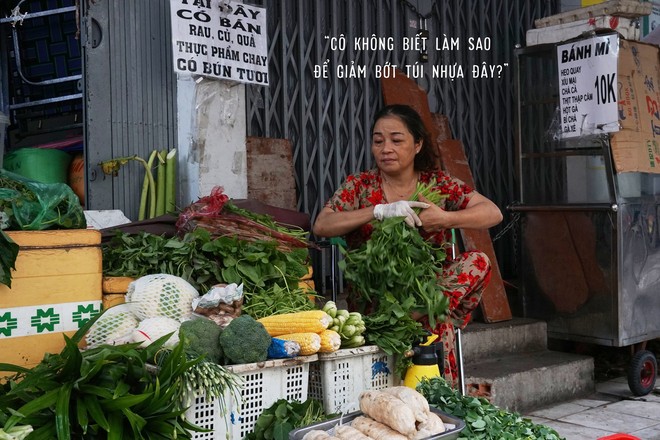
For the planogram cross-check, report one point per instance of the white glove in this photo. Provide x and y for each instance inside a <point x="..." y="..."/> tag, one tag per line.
<point x="402" y="208"/>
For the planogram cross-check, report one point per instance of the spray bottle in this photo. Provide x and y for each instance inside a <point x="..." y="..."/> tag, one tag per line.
<point x="426" y="360"/>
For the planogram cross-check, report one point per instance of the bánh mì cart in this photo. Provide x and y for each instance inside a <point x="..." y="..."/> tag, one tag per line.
<point x="590" y="235"/>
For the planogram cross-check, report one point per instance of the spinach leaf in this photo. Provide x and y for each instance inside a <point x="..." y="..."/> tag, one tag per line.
<point x="483" y="420"/>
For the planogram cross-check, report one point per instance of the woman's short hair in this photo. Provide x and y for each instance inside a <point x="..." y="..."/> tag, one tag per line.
<point x="427" y="157"/>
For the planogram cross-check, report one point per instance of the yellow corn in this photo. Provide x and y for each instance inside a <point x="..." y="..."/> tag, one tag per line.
<point x="310" y="343"/>
<point x="314" y="321"/>
<point x="330" y="341"/>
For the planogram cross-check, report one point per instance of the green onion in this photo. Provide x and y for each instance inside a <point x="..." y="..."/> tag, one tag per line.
<point x="427" y="191"/>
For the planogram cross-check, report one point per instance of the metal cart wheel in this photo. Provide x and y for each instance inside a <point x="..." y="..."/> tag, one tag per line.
<point x="642" y="373"/>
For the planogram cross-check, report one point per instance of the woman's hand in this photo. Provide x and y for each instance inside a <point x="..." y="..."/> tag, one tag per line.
<point x="402" y="208"/>
<point x="480" y="213"/>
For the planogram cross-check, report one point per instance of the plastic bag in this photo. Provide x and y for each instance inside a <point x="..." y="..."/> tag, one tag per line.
<point x="222" y="303"/>
<point x="33" y="206"/>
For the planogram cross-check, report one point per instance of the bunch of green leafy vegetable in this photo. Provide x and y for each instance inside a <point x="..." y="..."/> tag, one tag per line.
<point x="282" y="417"/>
<point x="393" y="330"/>
<point x="257" y="264"/>
<point x="398" y="261"/>
<point x="204" y="261"/>
<point x="104" y="392"/>
<point x="483" y="420"/>
<point x="276" y="299"/>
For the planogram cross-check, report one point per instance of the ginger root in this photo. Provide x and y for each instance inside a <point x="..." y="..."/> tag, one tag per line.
<point x="389" y="410"/>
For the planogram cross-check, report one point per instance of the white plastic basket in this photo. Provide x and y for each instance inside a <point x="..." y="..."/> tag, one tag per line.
<point x="263" y="384"/>
<point x="338" y="378"/>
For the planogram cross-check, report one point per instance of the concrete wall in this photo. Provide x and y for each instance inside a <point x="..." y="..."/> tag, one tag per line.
<point x="212" y="131"/>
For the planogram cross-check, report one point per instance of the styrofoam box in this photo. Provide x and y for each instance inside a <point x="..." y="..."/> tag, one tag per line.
<point x="628" y="28"/>
<point x="264" y="383"/>
<point x="338" y="378"/>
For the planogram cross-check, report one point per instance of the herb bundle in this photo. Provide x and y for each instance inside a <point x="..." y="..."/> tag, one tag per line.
<point x="217" y="214"/>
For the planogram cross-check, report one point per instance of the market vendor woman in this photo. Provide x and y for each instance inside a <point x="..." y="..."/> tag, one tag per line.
<point x="404" y="156"/>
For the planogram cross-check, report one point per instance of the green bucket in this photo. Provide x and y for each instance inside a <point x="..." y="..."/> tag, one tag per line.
<point x="44" y="165"/>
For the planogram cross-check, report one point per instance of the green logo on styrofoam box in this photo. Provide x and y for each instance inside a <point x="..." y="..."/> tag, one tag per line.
<point x="7" y="324"/>
<point x="45" y="320"/>
<point x="84" y="314"/>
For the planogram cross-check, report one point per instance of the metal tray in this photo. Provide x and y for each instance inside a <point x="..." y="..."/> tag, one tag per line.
<point x="450" y="434"/>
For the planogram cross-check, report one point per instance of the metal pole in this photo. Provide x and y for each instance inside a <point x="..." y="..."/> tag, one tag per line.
<point x="459" y="353"/>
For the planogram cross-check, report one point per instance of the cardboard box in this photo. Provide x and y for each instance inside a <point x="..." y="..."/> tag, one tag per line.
<point x="56" y="287"/>
<point x="636" y="147"/>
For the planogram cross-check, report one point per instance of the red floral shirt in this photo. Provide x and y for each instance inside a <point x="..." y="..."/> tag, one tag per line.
<point x="364" y="189"/>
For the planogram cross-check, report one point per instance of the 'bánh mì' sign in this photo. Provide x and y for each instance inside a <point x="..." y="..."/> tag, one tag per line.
<point x="220" y="39"/>
<point x="588" y="86"/>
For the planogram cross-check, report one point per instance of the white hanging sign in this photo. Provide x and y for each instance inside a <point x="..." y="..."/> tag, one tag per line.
<point x="588" y="86"/>
<point x="221" y="39"/>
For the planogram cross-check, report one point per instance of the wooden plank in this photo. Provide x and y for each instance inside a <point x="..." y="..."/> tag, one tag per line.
<point x="270" y="174"/>
<point x="402" y="90"/>
<point x="494" y="302"/>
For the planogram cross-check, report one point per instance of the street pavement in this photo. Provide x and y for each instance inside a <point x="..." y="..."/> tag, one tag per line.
<point x="611" y="410"/>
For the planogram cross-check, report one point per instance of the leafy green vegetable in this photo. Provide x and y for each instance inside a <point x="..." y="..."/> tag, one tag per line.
<point x="275" y="300"/>
<point x="8" y="255"/>
<point x="32" y="206"/>
<point x="392" y="328"/>
<point x="204" y="261"/>
<point x="104" y="392"/>
<point x="399" y="271"/>
<point x="483" y="420"/>
<point x="283" y="416"/>
<point x="397" y="260"/>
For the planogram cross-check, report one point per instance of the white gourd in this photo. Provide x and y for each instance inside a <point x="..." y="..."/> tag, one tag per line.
<point x="112" y="327"/>
<point x="161" y="295"/>
<point x="151" y="329"/>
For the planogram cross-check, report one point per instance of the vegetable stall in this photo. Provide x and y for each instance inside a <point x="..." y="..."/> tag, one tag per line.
<point x="219" y="338"/>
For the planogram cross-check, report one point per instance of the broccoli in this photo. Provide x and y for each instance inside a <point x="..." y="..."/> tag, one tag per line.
<point x="201" y="337"/>
<point x="245" y="341"/>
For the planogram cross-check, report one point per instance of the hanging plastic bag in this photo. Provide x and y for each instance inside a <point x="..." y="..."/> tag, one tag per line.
<point x="33" y="206"/>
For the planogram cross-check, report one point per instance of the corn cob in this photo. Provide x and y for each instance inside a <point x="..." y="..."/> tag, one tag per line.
<point x="330" y="341"/>
<point x="314" y="321"/>
<point x="310" y="343"/>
